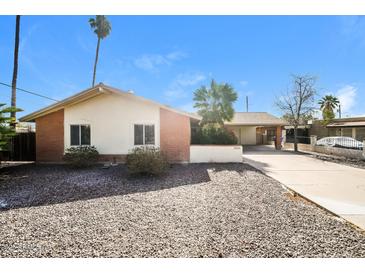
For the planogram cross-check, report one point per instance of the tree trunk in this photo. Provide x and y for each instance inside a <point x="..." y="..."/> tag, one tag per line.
<point x="295" y="139"/>
<point x="96" y="60"/>
<point x="15" y="70"/>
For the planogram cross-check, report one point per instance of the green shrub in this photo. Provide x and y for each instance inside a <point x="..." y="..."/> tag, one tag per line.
<point x="81" y="156"/>
<point x="213" y="134"/>
<point x="146" y="160"/>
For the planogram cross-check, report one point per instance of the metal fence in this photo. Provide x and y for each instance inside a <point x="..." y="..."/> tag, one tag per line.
<point x="300" y="139"/>
<point x="340" y="142"/>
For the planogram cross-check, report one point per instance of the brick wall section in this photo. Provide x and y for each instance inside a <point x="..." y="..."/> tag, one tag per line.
<point x="50" y="137"/>
<point x="175" y="136"/>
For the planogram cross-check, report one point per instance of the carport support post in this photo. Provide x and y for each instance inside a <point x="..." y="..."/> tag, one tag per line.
<point x="363" y="149"/>
<point x="278" y="138"/>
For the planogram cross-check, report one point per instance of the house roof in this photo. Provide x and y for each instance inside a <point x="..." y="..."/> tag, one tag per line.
<point x="344" y="122"/>
<point x="255" y="119"/>
<point x="93" y="92"/>
<point x="347" y="124"/>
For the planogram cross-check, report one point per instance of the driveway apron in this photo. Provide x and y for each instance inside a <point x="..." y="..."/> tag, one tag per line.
<point x="338" y="188"/>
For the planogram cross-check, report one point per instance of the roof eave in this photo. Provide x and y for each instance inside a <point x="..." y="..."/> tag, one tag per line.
<point x="256" y="124"/>
<point x="81" y="96"/>
<point x="90" y="93"/>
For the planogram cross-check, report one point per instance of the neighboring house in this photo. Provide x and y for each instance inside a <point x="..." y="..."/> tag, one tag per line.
<point x="350" y="127"/>
<point x="114" y="122"/>
<point x="256" y="128"/>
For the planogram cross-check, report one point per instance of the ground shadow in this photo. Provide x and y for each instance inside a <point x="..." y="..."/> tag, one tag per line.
<point x="37" y="185"/>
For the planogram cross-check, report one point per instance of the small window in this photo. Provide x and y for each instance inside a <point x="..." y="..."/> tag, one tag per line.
<point x="149" y="138"/>
<point x="80" y="135"/>
<point x="144" y="134"/>
<point x="75" y="135"/>
<point x="138" y="135"/>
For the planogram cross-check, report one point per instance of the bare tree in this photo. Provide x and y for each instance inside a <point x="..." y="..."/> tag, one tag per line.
<point x="298" y="104"/>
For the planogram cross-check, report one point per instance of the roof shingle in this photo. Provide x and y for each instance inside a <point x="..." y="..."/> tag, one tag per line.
<point x="255" y="119"/>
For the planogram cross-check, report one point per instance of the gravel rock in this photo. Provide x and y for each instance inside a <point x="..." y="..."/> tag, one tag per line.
<point x="339" y="160"/>
<point x="197" y="210"/>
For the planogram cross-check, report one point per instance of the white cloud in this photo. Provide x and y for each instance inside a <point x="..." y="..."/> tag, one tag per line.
<point x="175" y="93"/>
<point x="190" y="79"/>
<point x="347" y="97"/>
<point x="188" y="107"/>
<point x="243" y="83"/>
<point x="152" y="62"/>
<point x="177" y="88"/>
<point x="28" y="35"/>
<point x="353" y="29"/>
<point x="176" y="55"/>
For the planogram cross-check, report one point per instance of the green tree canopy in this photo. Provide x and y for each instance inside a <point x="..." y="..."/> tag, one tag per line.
<point x="328" y="104"/>
<point x="215" y="104"/>
<point x="100" y="25"/>
<point x="6" y="130"/>
<point x="102" y="28"/>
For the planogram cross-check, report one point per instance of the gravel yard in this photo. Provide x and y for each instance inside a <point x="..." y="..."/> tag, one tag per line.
<point x="340" y="160"/>
<point x="197" y="210"/>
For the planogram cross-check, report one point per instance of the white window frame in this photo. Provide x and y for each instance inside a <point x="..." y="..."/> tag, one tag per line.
<point x="144" y="134"/>
<point x="80" y="134"/>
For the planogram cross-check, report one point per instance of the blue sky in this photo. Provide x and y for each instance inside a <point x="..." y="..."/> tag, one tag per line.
<point x="166" y="58"/>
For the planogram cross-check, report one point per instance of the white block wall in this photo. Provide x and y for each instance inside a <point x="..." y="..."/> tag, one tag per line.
<point x="215" y="154"/>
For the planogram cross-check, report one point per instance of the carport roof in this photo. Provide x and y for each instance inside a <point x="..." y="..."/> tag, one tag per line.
<point x="255" y="119"/>
<point x="347" y="124"/>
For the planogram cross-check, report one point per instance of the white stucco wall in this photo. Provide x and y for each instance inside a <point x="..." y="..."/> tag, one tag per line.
<point x="215" y="154"/>
<point x="111" y="118"/>
<point x="248" y="134"/>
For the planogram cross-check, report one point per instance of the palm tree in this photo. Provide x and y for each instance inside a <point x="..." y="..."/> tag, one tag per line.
<point x="102" y="28"/>
<point x="15" y="70"/>
<point x="328" y="104"/>
<point x="215" y="104"/>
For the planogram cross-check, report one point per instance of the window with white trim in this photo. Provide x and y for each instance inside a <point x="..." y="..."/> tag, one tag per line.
<point x="144" y="134"/>
<point x="80" y="135"/>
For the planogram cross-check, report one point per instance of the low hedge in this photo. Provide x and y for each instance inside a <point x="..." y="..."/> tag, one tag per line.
<point x="81" y="156"/>
<point x="146" y="160"/>
<point x="212" y="134"/>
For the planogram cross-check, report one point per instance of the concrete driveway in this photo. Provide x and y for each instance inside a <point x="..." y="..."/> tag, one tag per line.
<point x="336" y="187"/>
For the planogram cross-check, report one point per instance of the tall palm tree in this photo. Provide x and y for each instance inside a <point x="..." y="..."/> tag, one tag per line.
<point x="328" y="104"/>
<point x="215" y="104"/>
<point x="102" y="28"/>
<point x="15" y="69"/>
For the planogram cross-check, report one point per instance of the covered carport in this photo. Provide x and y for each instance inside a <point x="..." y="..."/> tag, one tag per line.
<point x="257" y="128"/>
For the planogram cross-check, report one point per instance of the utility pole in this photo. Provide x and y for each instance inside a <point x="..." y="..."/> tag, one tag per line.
<point x="246" y="103"/>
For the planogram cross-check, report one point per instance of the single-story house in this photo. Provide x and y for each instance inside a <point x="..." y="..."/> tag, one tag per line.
<point x="116" y="121"/>
<point x="112" y="120"/>
<point x="350" y="127"/>
<point x="256" y="128"/>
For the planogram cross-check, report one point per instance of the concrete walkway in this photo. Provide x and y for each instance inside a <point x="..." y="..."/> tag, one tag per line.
<point x="338" y="188"/>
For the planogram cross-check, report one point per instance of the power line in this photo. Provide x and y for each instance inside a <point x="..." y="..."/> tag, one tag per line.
<point x="30" y="92"/>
